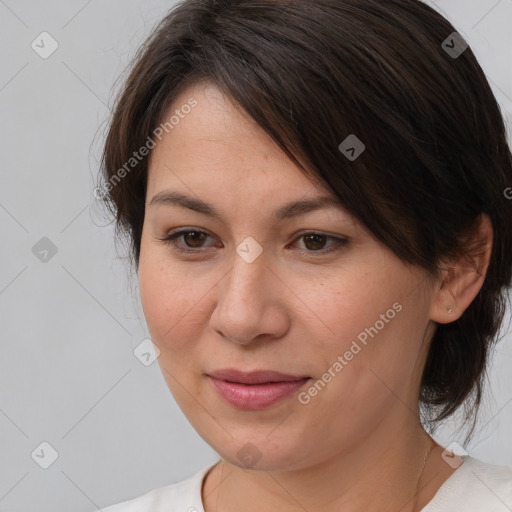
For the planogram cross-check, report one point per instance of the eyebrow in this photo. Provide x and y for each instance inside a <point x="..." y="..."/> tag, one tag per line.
<point x="292" y="209"/>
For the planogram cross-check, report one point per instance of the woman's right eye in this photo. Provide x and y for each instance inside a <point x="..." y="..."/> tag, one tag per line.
<point x="197" y="237"/>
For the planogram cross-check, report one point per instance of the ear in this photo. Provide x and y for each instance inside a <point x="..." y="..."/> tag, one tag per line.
<point x="462" y="279"/>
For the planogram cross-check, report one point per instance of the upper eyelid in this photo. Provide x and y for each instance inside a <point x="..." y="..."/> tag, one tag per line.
<point x="179" y="232"/>
<point x="302" y="232"/>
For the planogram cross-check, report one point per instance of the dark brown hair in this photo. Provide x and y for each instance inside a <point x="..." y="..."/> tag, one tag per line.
<point x="313" y="72"/>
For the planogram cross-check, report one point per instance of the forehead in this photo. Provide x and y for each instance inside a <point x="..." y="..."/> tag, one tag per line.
<point x="216" y="159"/>
<point x="215" y="123"/>
<point x="216" y="142"/>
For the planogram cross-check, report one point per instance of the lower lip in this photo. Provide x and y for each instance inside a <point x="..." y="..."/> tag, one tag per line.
<point x="255" y="396"/>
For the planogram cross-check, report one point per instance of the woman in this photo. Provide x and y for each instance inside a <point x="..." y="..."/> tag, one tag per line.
<point x="313" y="193"/>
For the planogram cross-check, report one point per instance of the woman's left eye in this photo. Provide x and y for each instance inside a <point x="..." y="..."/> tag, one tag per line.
<point x="313" y="241"/>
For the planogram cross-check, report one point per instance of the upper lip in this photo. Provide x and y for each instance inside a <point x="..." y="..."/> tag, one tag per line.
<point x="254" y="377"/>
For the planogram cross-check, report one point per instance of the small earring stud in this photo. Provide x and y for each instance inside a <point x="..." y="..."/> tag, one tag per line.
<point x="450" y="311"/>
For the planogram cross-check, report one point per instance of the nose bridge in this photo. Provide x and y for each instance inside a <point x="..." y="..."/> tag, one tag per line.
<point x="248" y="270"/>
<point x="240" y="314"/>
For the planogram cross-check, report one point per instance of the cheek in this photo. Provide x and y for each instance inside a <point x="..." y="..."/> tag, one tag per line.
<point x="173" y="302"/>
<point x="374" y="328"/>
<point x="154" y="294"/>
<point x="161" y="295"/>
<point x="379" y="365"/>
<point x="349" y="305"/>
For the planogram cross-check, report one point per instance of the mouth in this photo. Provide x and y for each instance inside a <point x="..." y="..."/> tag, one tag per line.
<point x="255" y="390"/>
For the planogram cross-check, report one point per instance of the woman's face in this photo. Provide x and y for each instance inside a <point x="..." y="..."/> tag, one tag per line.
<point x="259" y="291"/>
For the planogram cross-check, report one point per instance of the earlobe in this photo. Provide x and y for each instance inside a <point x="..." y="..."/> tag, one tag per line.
<point x="461" y="280"/>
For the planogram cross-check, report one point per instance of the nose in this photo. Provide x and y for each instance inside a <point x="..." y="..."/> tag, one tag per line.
<point x="250" y="303"/>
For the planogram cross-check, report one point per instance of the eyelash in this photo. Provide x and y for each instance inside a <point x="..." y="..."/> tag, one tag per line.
<point x="171" y="237"/>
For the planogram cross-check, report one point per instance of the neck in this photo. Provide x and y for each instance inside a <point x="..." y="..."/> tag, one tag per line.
<point x="386" y="471"/>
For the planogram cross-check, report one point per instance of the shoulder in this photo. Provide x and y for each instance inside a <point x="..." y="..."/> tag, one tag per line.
<point x="475" y="486"/>
<point x="184" y="496"/>
<point x="490" y="481"/>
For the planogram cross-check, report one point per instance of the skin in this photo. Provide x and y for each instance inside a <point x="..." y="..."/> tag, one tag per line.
<point x="358" y="444"/>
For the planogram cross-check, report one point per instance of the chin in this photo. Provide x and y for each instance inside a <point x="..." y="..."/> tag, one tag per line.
<point x="258" y="454"/>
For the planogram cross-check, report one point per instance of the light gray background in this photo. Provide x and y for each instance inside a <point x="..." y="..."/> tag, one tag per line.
<point x="69" y="326"/>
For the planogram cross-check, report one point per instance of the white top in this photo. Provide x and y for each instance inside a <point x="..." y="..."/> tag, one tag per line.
<point x="475" y="486"/>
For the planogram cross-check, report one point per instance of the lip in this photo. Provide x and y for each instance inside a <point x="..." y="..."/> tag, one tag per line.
<point x="255" y="390"/>
<point x="254" y="377"/>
